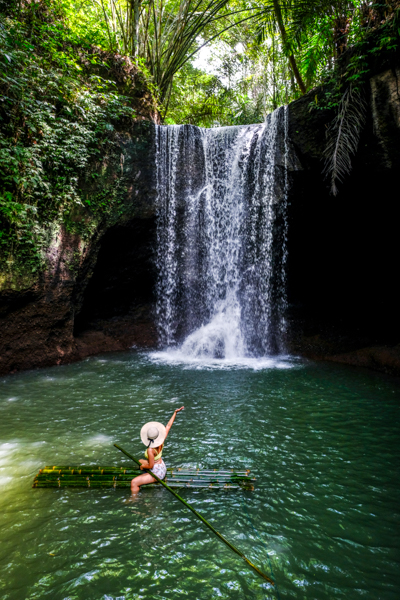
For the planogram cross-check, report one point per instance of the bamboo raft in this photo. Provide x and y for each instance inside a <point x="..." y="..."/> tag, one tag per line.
<point x="121" y="477"/>
<point x="88" y="476"/>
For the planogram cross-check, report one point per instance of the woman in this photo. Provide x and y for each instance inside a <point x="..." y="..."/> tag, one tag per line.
<point x="153" y="435"/>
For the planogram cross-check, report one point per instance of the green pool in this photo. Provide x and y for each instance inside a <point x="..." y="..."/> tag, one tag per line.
<point x="322" y="440"/>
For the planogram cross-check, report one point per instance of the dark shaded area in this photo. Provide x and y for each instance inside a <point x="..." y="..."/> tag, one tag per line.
<point x="343" y="250"/>
<point x="343" y="258"/>
<point x="122" y="283"/>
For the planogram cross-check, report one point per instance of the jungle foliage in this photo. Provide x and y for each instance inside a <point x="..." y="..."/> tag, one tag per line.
<point x="266" y="52"/>
<point x="55" y="119"/>
<point x="60" y="103"/>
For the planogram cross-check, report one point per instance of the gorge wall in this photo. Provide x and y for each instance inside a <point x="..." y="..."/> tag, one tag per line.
<point x="343" y="250"/>
<point x="342" y="261"/>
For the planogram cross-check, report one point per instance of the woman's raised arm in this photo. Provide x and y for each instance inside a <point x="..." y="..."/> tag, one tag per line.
<point x="172" y="419"/>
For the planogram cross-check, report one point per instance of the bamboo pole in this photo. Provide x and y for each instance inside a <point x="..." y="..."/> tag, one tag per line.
<point x="199" y="516"/>
<point x="180" y="470"/>
<point x="74" y="480"/>
<point x="118" y="483"/>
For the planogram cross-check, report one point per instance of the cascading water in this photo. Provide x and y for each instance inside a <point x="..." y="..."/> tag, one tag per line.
<point x="221" y="238"/>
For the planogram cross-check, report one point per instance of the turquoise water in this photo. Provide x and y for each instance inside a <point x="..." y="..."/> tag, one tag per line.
<point x="322" y="440"/>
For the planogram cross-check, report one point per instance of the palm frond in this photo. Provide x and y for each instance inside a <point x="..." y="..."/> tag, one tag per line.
<point x="343" y="136"/>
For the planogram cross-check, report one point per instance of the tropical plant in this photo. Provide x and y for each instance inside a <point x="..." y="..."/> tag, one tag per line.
<point x="161" y="35"/>
<point x="343" y="136"/>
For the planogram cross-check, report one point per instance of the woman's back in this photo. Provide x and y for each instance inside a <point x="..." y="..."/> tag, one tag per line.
<point x="157" y="453"/>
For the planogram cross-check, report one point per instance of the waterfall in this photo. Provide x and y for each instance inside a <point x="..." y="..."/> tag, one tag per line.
<point x="222" y="238"/>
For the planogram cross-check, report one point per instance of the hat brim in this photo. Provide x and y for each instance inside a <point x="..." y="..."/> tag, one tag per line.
<point x="162" y="432"/>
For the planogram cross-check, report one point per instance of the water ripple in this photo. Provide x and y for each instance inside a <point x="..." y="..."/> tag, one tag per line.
<point x="322" y="441"/>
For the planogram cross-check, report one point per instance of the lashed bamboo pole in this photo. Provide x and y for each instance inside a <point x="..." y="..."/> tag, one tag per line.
<point x="199" y="516"/>
<point x="110" y="479"/>
<point x="171" y="473"/>
<point x="128" y="477"/>
<point x="117" y="482"/>
<point x="231" y="473"/>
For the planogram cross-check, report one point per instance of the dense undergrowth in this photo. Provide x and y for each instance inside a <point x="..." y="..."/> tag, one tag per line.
<point x="57" y="120"/>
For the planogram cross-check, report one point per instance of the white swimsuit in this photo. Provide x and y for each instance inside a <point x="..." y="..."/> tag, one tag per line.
<point x="160" y="470"/>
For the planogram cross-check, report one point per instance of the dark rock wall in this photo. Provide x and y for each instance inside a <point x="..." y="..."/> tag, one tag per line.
<point x="36" y="323"/>
<point x="343" y="250"/>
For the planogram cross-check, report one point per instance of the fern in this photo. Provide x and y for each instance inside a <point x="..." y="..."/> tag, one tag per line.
<point x="343" y="136"/>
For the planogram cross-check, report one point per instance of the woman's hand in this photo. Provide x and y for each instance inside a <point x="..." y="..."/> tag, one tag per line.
<point x="171" y="421"/>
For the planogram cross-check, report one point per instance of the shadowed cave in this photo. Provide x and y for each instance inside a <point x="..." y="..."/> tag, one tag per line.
<point x="343" y="260"/>
<point x="119" y="296"/>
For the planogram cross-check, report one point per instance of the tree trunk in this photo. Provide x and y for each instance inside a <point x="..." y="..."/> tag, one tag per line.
<point x="340" y="32"/>
<point x="292" y="60"/>
<point x="135" y="27"/>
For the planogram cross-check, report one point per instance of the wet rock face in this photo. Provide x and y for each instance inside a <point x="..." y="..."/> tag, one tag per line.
<point x="36" y="323"/>
<point x="342" y="261"/>
<point x="138" y="164"/>
<point x="59" y="318"/>
<point x="385" y="107"/>
<point x="64" y="318"/>
<point x="343" y="250"/>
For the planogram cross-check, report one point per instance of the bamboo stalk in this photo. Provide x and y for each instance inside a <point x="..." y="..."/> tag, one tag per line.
<point x="89" y="468"/>
<point x="199" y="516"/>
<point x="170" y="470"/>
<point x="128" y="475"/>
<point x="125" y="483"/>
<point x="173" y="483"/>
<point x="69" y="477"/>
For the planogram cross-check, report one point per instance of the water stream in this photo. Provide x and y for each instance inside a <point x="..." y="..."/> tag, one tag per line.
<point x="221" y="246"/>
<point x="322" y="441"/>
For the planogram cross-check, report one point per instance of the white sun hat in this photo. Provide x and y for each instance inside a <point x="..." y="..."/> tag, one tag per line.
<point x="153" y="434"/>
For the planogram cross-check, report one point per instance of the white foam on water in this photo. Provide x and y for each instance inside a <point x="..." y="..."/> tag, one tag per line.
<point x="4" y="481"/>
<point x="98" y="440"/>
<point x="220" y="338"/>
<point x="179" y="358"/>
